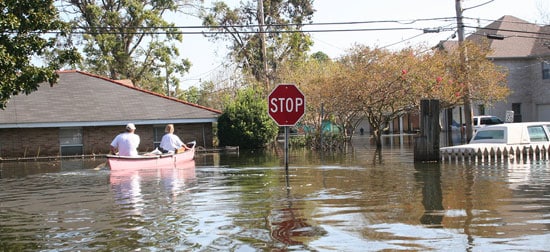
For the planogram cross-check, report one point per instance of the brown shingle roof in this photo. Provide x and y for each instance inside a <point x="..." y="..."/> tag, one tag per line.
<point x="521" y="38"/>
<point x="83" y="99"/>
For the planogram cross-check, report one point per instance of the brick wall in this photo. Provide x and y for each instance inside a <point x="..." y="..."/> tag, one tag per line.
<point x="96" y="140"/>
<point x="202" y="133"/>
<point x="29" y="142"/>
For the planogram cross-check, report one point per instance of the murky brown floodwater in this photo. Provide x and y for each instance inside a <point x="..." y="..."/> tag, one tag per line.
<point x="246" y="202"/>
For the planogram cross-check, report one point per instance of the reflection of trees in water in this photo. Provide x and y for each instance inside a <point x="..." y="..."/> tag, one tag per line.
<point x="377" y="157"/>
<point x="258" y="157"/>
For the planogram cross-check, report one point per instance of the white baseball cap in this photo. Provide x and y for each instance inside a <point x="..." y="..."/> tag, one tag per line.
<point x="130" y="126"/>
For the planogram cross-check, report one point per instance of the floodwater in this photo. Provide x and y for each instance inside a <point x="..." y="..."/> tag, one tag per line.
<point x="355" y="201"/>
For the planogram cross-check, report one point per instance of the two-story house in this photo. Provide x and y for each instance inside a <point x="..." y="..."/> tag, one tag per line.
<point x="523" y="49"/>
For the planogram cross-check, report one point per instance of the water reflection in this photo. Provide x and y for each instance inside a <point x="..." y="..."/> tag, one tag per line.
<point x="248" y="202"/>
<point x="28" y="168"/>
<point x="290" y="228"/>
<point x="288" y="225"/>
<point x="429" y="176"/>
<point x="126" y="185"/>
<point x="171" y="179"/>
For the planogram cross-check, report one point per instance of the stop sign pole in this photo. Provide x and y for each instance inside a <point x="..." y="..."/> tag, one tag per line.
<point x="286" y="106"/>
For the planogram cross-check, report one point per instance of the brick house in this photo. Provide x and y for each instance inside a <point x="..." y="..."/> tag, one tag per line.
<point x="524" y="49"/>
<point x="82" y="113"/>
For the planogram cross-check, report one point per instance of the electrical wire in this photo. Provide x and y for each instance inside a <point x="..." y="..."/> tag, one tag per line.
<point x="514" y="31"/>
<point x="216" y="30"/>
<point x="405" y="21"/>
<point x="223" y="29"/>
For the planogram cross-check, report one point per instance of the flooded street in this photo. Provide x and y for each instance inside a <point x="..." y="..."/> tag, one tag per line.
<point x="355" y="201"/>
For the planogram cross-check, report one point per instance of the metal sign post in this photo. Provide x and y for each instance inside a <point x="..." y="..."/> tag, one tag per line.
<point x="286" y="106"/>
<point x="286" y="147"/>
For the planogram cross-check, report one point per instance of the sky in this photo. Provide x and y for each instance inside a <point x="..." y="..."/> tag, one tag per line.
<point x="207" y="56"/>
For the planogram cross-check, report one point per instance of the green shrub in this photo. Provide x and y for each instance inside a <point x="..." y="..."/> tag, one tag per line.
<point x="245" y="122"/>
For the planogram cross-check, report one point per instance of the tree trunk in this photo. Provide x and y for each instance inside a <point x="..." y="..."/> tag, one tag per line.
<point x="377" y="156"/>
<point x="377" y="134"/>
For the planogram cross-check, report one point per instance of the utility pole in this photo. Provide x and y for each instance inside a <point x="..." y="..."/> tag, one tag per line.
<point x="261" y="23"/>
<point x="167" y="83"/>
<point x="466" y="96"/>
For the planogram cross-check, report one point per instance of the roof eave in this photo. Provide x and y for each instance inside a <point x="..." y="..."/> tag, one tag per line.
<point x="518" y="57"/>
<point x="105" y="123"/>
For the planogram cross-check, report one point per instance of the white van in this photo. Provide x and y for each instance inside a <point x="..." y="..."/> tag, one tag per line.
<point x="484" y="120"/>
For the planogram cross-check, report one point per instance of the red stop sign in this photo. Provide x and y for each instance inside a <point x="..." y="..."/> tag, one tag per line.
<point x="286" y="104"/>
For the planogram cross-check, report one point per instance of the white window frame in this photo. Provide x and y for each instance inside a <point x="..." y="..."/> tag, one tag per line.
<point x="70" y="138"/>
<point x="546" y="70"/>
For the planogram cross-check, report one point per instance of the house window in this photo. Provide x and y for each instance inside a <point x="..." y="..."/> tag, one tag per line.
<point x="70" y="141"/>
<point x="481" y="109"/>
<point x="516" y="107"/>
<point x="545" y="70"/>
<point x="158" y="132"/>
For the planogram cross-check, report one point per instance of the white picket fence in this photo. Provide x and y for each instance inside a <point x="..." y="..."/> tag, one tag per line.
<point x="515" y="154"/>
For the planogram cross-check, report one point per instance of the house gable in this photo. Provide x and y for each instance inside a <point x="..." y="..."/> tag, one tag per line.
<point x="521" y="39"/>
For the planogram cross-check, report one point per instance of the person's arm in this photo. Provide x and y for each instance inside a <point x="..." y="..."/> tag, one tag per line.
<point x="114" y="145"/>
<point x="113" y="150"/>
<point x="182" y="144"/>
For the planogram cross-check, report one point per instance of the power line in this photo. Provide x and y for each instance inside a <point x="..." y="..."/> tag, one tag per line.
<point x="211" y="30"/>
<point x="222" y="29"/>
<point x="404" y="21"/>
<point x="118" y="31"/>
<point x="509" y="30"/>
<point x="502" y="21"/>
<point x="245" y="32"/>
<point x="404" y="40"/>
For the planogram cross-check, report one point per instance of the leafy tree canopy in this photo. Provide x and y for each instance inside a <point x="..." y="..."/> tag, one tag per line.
<point x="26" y="29"/>
<point x="381" y="85"/>
<point x="259" y="43"/>
<point x="131" y="40"/>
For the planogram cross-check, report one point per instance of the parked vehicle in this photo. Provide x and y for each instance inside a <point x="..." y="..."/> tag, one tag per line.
<point x="484" y="120"/>
<point x="506" y="136"/>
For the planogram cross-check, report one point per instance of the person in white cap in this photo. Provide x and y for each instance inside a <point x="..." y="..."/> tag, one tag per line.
<point x="127" y="142"/>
